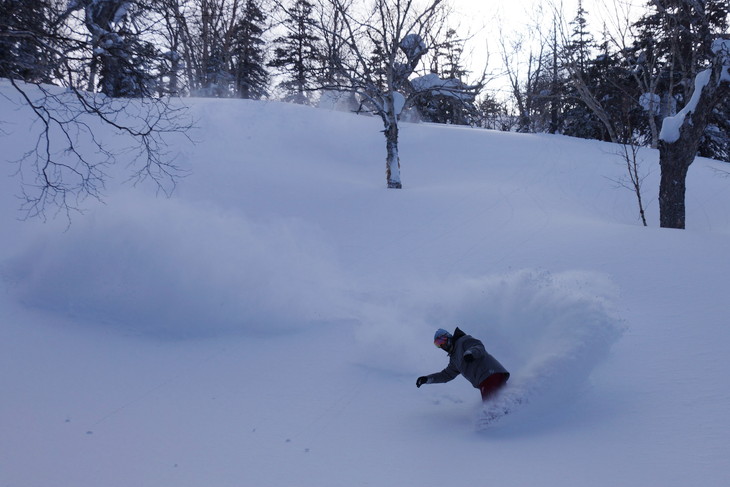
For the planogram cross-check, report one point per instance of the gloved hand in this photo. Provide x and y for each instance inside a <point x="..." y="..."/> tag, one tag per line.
<point x="421" y="380"/>
<point x="468" y="357"/>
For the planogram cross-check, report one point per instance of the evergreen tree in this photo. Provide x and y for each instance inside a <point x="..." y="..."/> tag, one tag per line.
<point x="171" y="31"/>
<point x="715" y="142"/>
<point x="447" y="58"/>
<point x="582" y="41"/>
<point x="298" y="55"/>
<point x="333" y="25"/>
<point x="558" y="81"/>
<point x="26" y="40"/>
<point x="218" y="75"/>
<point x="122" y="59"/>
<point x="377" y="63"/>
<point x="493" y="114"/>
<point x="581" y="119"/>
<point x="248" y="54"/>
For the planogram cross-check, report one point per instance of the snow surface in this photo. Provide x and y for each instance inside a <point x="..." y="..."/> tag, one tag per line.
<point x="265" y="326"/>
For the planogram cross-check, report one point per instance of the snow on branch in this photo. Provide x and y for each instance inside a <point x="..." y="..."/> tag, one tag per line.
<point x="721" y="49"/>
<point x="413" y="46"/>
<point x="672" y="125"/>
<point x="435" y="85"/>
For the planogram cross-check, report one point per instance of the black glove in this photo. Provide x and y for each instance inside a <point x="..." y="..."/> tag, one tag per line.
<point x="421" y="380"/>
<point x="468" y="357"/>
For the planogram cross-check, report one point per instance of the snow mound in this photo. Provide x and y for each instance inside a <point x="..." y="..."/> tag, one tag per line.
<point x="140" y="262"/>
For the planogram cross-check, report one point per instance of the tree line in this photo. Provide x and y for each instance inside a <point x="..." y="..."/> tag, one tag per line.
<point x="620" y="86"/>
<point x="385" y="57"/>
<point x="290" y="50"/>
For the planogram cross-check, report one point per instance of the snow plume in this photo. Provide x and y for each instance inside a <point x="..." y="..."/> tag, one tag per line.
<point x="167" y="269"/>
<point x="549" y="330"/>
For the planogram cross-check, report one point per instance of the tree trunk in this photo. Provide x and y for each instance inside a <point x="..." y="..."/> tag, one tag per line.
<point x="678" y="142"/>
<point x="674" y="162"/>
<point x="392" y="163"/>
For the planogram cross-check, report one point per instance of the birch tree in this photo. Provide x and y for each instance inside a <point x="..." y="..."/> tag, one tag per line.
<point x="381" y="46"/>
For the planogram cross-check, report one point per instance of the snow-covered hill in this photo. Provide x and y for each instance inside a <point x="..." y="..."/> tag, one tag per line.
<point x="265" y="326"/>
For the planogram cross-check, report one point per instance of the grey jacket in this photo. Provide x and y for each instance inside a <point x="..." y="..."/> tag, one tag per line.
<point x="475" y="371"/>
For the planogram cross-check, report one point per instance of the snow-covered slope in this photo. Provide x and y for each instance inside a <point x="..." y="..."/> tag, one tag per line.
<point x="266" y="324"/>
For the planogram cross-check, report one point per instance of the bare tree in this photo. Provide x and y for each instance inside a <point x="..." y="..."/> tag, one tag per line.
<point x="530" y="61"/>
<point x="331" y="19"/>
<point x="208" y="31"/>
<point x="522" y="85"/>
<point x="379" y="47"/>
<point x="629" y="152"/>
<point x="173" y="31"/>
<point x="695" y="67"/>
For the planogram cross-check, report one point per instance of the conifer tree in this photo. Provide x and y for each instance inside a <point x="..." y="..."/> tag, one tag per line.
<point x="582" y="41"/>
<point x="121" y="58"/>
<point x="583" y="111"/>
<point x="25" y="38"/>
<point x="251" y="77"/>
<point x="298" y="53"/>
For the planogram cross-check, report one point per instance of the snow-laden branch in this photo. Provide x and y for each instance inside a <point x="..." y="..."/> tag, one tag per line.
<point x="451" y="88"/>
<point x="672" y="126"/>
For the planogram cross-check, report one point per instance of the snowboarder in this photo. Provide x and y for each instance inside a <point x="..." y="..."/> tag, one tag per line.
<point x="467" y="356"/>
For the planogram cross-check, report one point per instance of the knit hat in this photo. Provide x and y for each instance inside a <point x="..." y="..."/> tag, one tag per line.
<point x="442" y="339"/>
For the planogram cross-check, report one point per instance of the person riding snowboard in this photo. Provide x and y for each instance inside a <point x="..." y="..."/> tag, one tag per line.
<point x="468" y="357"/>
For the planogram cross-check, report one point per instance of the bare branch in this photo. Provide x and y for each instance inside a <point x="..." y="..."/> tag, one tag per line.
<point x="70" y="159"/>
